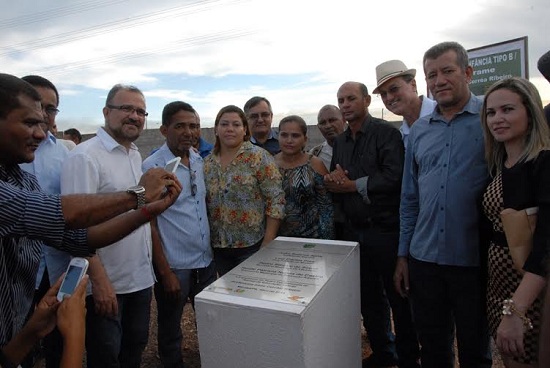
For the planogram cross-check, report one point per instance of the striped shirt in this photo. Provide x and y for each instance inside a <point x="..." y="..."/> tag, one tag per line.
<point x="183" y="227"/>
<point x="26" y="216"/>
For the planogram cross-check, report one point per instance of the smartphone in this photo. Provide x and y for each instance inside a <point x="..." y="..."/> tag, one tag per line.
<point x="172" y="165"/>
<point x="75" y="272"/>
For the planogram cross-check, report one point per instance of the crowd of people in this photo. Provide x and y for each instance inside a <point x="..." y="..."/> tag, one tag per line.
<point x="425" y="203"/>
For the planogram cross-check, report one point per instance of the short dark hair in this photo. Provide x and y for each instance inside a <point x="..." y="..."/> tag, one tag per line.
<point x="172" y="108"/>
<point x="120" y="87"/>
<point x="73" y="132"/>
<point x="436" y="51"/>
<point x="38" y="81"/>
<point x="254" y="101"/>
<point x="11" y="88"/>
<point x="294" y="119"/>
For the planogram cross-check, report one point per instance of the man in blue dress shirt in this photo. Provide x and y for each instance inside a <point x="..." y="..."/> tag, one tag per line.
<point x="47" y="166"/>
<point x="182" y="255"/>
<point x="444" y="177"/>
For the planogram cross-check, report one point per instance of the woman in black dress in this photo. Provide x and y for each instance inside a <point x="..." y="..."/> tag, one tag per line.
<point x="517" y="140"/>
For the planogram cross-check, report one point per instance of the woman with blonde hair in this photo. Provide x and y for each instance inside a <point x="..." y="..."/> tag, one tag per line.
<point x="517" y="144"/>
<point x="244" y="197"/>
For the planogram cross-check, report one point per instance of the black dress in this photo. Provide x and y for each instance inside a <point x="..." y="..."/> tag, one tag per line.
<point x="522" y="186"/>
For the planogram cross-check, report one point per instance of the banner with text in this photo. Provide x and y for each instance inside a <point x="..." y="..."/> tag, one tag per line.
<point x="497" y="61"/>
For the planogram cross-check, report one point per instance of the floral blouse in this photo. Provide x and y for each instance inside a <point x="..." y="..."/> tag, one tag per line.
<point x="239" y="197"/>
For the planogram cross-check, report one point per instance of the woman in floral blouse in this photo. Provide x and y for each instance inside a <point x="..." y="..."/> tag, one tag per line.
<point x="244" y="196"/>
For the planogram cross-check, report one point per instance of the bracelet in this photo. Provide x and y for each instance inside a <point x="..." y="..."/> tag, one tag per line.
<point x="146" y="213"/>
<point x="509" y="308"/>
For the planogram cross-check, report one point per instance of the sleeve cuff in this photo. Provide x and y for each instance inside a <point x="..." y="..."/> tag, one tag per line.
<point x="361" y="185"/>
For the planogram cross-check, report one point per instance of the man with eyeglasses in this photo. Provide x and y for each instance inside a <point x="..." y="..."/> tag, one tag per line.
<point x="47" y="167"/>
<point x="259" y="114"/>
<point x="121" y="275"/>
<point x="182" y="254"/>
<point x="397" y="88"/>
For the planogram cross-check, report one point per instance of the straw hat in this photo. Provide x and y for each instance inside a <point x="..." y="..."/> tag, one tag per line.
<point x="391" y="69"/>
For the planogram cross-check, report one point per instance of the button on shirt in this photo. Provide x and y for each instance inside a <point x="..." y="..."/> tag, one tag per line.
<point x="183" y="227"/>
<point x="240" y="196"/>
<point x="101" y="165"/>
<point x="445" y="175"/>
<point x="374" y="159"/>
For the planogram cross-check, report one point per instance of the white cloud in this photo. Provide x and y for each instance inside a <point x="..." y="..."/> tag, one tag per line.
<point x="147" y="43"/>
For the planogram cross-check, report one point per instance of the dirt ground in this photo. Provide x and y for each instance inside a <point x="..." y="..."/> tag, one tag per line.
<point x="191" y="346"/>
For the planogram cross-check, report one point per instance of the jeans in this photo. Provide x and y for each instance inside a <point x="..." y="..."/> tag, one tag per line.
<point x="445" y="297"/>
<point x="169" y="311"/>
<point x="378" y="257"/>
<point x="119" y="341"/>
<point x="228" y="258"/>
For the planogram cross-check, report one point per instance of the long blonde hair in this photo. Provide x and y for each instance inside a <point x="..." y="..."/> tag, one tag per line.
<point x="537" y="137"/>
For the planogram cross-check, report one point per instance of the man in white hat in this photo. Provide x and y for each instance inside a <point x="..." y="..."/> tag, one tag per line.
<point x="397" y="88"/>
<point x="543" y="66"/>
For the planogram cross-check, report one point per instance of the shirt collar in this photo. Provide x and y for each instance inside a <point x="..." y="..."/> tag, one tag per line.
<point x="168" y="155"/>
<point x="109" y="142"/>
<point x="50" y="139"/>
<point x="473" y="107"/>
<point x="272" y="135"/>
<point x="363" y="129"/>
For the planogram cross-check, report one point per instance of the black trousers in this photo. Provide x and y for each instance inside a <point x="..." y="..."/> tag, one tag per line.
<point x="444" y="298"/>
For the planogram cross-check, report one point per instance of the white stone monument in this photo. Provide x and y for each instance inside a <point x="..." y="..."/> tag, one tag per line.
<point x="293" y="304"/>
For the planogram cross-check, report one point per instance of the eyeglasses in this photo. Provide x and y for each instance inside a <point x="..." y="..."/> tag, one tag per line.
<point x="129" y="109"/>
<point x="51" y="111"/>
<point x="264" y="115"/>
<point x="192" y="178"/>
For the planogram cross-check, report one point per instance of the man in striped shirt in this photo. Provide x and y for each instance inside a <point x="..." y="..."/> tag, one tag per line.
<point x="181" y="235"/>
<point x="29" y="216"/>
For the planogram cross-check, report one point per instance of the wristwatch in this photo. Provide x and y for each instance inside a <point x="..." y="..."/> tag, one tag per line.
<point x="139" y="191"/>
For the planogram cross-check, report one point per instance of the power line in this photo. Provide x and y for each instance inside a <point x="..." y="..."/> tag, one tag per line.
<point x="24" y="20"/>
<point x="113" y="26"/>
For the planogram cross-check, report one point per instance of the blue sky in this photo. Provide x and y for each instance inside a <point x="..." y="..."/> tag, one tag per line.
<point x="212" y="53"/>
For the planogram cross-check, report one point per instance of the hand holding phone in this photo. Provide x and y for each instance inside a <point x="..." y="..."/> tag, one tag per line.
<point x="75" y="272"/>
<point x="172" y="165"/>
